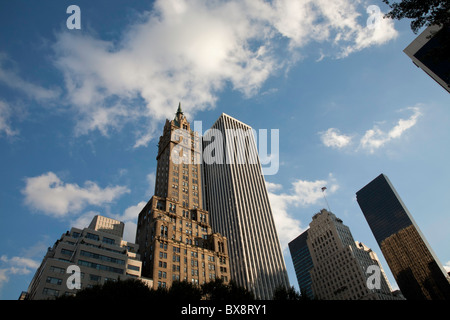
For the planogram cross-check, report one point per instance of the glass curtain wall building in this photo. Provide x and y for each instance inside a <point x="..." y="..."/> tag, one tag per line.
<point x="415" y="267"/>
<point x="301" y="258"/>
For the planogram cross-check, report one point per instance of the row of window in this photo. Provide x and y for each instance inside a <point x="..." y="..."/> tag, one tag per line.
<point x="92" y="277"/>
<point x="194" y="272"/>
<point x="100" y="266"/>
<point x="101" y="257"/>
<point x="93" y="236"/>
<point x="194" y="254"/>
<point x="163" y="284"/>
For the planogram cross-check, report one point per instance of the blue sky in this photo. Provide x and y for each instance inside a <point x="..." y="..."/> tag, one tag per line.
<point x="81" y="112"/>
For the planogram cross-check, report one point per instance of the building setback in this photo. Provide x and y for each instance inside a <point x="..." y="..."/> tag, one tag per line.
<point x="236" y="197"/>
<point x="176" y="241"/>
<point x="415" y="267"/>
<point x="97" y="250"/>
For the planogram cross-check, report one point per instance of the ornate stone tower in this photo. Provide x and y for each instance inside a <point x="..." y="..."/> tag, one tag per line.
<point x="175" y="238"/>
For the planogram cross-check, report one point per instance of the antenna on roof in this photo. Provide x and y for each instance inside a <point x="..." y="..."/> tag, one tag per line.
<point x="323" y="192"/>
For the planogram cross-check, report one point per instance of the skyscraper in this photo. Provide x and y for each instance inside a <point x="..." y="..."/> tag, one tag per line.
<point x="174" y="232"/>
<point x="341" y="269"/>
<point x="415" y="267"/>
<point x="236" y="197"/>
<point x="427" y="52"/>
<point x="301" y="258"/>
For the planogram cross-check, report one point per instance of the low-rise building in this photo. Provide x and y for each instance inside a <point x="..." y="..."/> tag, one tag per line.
<point x="91" y="256"/>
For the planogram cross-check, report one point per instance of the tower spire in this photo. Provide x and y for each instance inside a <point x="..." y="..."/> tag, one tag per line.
<point x="179" y="109"/>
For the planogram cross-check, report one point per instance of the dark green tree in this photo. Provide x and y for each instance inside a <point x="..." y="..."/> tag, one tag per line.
<point x="133" y="289"/>
<point x="422" y="12"/>
<point x="426" y="13"/>
<point x="184" y="291"/>
<point x="283" y="293"/>
<point x="303" y="295"/>
<point x="130" y="289"/>
<point x="218" y="290"/>
<point x="239" y="293"/>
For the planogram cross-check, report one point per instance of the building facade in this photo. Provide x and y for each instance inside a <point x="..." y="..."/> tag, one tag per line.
<point x="301" y="258"/>
<point x="98" y="251"/>
<point x="236" y="196"/>
<point x="341" y="268"/>
<point x="176" y="241"/>
<point x="427" y="52"/>
<point x="415" y="267"/>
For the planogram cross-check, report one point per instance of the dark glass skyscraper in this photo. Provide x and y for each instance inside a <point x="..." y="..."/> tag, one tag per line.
<point x="301" y="258"/>
<point x="415" y="267"/>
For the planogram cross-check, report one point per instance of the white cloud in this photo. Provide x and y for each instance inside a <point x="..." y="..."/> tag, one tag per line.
<point x="330" y="21"/>
<point x="83" y="220"/>
<point x="5" y="115"/>
<point x="52" y="196"/>
<point x="447" y="266"/>
<point x="334" y="139"/>
<point x="376" y="138"/>
<point x="24" y="263"/>
<point x="15" y="266"/>
<point x="189" y="50"/>
<point x="151" y="179"/>
<point x="303" y="193"/>
<point x="129" y="217"/>
<point x="12" y="79"/>
<point x="19" y="262"/>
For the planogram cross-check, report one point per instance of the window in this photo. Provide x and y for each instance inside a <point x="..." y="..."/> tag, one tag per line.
<point x="92" y="236"/>
<point x="101" y="257"/>
<point x="75" y="234"/>
<point x="66" y="252"/>
<point x="108" y="240"/>
<point x="50" y="292"/>
<point x="57" y="269"/>
<point x="99" y="266"/>
<point x="54" y="280"/>
<point x="163" y="231"/>
<point x="94" y="277"/>
<point x="135" y="268"/>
